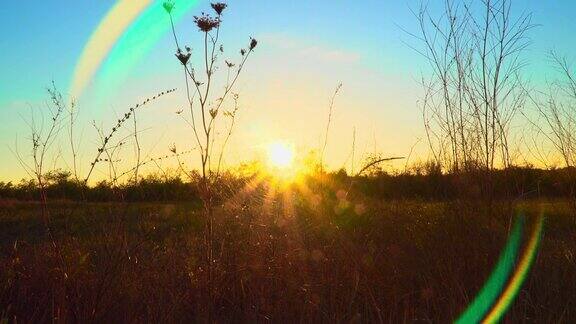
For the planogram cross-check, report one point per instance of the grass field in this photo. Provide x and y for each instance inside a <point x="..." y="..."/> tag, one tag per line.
<point x="287" y="162"/>
<point x="277" y="259"/>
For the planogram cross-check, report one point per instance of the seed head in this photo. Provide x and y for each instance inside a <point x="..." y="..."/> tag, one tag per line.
<point x="206" y="23"/>
<point x="219" y="7"/>
<point x="168" y="6"/>
<point x="253" y="43"/>
<point x="183" y="57"/>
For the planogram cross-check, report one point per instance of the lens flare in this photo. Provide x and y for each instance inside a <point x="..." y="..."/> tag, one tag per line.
<point x="124" y="36"/>
<point x="519" y="277"/>
<point x="110" y="29"/>
<point x="495" y="283"/>
<point x="494" y="300"/>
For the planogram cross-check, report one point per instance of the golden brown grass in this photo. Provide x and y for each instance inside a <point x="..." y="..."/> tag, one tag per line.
<point x="398" y="261"/>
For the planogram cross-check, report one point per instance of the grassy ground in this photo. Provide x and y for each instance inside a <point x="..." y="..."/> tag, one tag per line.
<point x="278" y="258"/>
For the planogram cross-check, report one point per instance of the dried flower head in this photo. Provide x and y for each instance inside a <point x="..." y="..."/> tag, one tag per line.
<point x="242" y="52"/>
<point x="253" y="43"/>
<point x="219" y="7"/>
<point x="206" y="23"/>
<point x="229" y="64"/>
<point x="183" y="57"/>
<point x="213" y="112"/>
<point x="173" y="148"/>
<point x="168" y="6"/>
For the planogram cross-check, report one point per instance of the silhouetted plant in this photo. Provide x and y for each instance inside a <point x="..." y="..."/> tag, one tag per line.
<point x="42" y="141"/>
<point x="107" y="138"/>
<point x="175" y="154"/>
<point x="199" y="91"/>
<point x="557" y="107"/>
<point x="329" y="122"/>
<point x="475" y="87"/>
<point x="205" y="106"/>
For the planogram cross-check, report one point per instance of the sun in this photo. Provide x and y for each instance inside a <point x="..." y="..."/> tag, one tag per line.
<point x="280" y="155"/>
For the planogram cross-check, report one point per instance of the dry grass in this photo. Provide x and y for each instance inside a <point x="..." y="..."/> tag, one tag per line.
<point x="304" y="261"/>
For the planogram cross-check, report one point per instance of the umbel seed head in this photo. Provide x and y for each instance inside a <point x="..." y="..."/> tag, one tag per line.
<point x="206" y="23"/>
<point x="219" y="7"/>
<point x="168" y="6"/>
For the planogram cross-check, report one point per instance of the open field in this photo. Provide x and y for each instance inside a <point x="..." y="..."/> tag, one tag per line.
<point x="276" y="259"/>
<point x="288" y="162"/>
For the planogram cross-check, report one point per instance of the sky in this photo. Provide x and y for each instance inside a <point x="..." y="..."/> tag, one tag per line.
<point x="305" y="49"/>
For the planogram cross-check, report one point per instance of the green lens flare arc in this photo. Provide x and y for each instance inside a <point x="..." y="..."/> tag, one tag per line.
<point x="524" y="266"/>
<point x="495" y="283"/>
<point x="495" y="297"/>
<point x="125" y="35"/>
<point x="102" y="40"/>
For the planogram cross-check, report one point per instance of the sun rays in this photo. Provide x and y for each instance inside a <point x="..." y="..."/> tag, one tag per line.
<point x="284" y="185"/>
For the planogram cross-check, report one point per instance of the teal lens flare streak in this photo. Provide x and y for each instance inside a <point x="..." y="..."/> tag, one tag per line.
<point x="137" y="41"/>
<point x="497" y="280"/>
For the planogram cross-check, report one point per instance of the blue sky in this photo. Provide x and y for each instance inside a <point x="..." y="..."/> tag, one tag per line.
<point x="306" y="48"/>
<point x="41" y="40"/>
